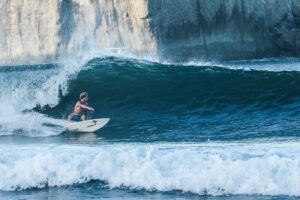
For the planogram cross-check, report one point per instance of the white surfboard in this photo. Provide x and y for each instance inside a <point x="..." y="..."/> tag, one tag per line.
<point x="87" y="126"/>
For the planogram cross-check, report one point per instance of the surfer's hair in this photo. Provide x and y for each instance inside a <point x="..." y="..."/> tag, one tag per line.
<point x="83" y="95"/>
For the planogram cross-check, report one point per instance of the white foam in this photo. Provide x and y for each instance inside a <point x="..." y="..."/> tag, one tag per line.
<point x="30" y="124"/>
<point x="24" y="89"/>
<point x="266" y="64"/>
<point x="215" y="169"/>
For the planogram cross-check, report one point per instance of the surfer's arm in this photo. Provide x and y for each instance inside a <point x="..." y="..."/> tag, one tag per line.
<point x="86" y="107"/>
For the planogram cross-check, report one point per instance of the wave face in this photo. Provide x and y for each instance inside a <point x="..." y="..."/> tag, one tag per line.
<point x="156" y="102"/>
<point x="215" y="129"/>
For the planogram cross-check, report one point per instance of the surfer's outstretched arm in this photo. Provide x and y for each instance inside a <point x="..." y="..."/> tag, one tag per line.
<point x="86" y="107"/>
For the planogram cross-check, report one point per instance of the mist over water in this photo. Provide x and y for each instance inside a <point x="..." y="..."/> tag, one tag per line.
<point x="226" y="128"/>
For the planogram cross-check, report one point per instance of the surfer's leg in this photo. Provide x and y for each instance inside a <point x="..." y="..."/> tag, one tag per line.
<point x="77" y="118"/>
<point x="74" y="117"/>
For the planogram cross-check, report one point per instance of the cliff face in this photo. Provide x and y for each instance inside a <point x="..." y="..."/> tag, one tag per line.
<point x="28" y="31"/>
<point x="226" y="29"/>
<point x="43" y="31"/>
<point x="109" y="25"/>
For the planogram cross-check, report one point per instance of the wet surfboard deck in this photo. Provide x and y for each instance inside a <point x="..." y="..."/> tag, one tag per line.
<point x="88" y="126"/>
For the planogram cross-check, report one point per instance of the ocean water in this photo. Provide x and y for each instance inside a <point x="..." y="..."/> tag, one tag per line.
<point x="198" y="130"/>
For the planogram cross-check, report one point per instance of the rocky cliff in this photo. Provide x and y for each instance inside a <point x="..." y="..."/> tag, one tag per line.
<point x="43" y="31"/>
<point x="227" y="29"/>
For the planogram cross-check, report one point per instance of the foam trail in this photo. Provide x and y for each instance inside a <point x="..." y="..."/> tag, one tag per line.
<point x="215" y="169"/>
<point x="31" y="124"/>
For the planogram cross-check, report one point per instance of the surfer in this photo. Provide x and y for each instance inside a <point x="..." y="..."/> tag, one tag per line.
<point x="81" y="108"/>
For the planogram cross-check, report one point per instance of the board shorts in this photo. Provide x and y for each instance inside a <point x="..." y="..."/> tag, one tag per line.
<point x="75" y="117"/>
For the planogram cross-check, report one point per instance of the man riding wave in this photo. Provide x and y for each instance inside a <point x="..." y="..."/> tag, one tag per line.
<point x="81" y="108"/>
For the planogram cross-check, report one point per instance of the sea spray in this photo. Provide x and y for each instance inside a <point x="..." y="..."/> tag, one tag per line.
<point x="25" y="87"/>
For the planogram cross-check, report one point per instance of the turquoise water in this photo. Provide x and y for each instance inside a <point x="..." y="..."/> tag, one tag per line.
<point x="178" y="131"/>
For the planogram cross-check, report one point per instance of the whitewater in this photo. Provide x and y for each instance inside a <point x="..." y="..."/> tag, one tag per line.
<point x="212" y="168"/>
<point x="190" y="130"/>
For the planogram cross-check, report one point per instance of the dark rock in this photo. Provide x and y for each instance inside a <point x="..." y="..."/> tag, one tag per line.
<point x="284" y="26"/>
<point x="287" y="40"/>
<point x="289" y="18"/>
<point x="297" y="43"/>
<point x="296" y="8"/>
<point x="297" y="21"/>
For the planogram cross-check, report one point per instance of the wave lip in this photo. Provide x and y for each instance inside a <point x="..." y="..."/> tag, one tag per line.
<point x="213" y="169"/>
